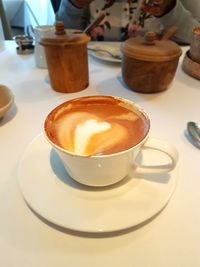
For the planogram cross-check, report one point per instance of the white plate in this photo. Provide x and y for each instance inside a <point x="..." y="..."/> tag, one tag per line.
<point x="51" y="193"/>
<point x="113" y="47"/>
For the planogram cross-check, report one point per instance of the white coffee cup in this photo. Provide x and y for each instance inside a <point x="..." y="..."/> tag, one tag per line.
<point x="103" y="170"/>
<point x="41" y="31"/>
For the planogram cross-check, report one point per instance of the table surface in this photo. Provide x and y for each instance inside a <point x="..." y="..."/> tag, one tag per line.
<point x="170" y="239"/>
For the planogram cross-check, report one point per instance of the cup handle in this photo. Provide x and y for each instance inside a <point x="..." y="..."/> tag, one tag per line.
<point x="30" y="30"/>
<point x="163" y="146"/>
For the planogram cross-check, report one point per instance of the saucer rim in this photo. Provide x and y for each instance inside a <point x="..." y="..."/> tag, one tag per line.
<point x="44" y="214"/>
<point x="108" y="46"/>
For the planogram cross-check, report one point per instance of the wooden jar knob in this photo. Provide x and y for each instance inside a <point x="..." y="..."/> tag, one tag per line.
<point x="60" y="28"/>
<point x="150" y="38"/>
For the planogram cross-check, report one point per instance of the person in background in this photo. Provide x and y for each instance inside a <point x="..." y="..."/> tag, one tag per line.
<point x="124" y="19"/>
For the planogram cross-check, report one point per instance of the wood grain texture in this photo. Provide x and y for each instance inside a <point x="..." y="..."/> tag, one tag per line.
<point x="148" y="77"/>
<point x="68" y="67"/>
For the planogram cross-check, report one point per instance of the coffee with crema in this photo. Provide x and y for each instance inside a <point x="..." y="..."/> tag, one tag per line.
<point x="96" y="125"/>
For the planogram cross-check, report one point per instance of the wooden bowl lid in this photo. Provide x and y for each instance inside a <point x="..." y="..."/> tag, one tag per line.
<point x="150" y="49"/>
<point x="64" y="37"/>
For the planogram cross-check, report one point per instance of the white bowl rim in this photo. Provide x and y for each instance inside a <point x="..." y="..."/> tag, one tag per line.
<point x="10" y="101"/>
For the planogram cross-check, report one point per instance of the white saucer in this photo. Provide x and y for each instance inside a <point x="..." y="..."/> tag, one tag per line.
<point x="113" y="47"/>
<point x="51" y="193"/>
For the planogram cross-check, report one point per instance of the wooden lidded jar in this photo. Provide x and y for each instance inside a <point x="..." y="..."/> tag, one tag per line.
<point x="149" y="65"/>
<point x="67" y="59"/>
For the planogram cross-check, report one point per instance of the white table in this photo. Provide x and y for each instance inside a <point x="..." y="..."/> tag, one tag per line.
<point x="170" y="239"/>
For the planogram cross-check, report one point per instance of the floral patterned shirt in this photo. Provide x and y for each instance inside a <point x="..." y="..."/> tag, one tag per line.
<point x="124" y="19"/>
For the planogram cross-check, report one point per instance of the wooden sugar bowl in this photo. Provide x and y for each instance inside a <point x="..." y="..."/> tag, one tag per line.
<point x="67" y="59"/>
<point x="191" y="61"/>
<point x="149" y="65"/>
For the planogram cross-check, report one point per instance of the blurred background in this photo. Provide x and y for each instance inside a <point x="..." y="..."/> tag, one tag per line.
<point x="16" y="15"/>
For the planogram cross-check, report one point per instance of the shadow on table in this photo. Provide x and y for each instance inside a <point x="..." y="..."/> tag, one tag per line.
<point x="116" y="86"/>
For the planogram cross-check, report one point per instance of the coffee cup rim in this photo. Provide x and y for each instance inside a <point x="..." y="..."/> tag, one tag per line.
<point x="97" y="156"/>
<point x="133" y="104"/>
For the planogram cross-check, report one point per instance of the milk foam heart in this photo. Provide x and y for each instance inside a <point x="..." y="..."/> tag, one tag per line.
<point x="66" y="127"/>
<point x="100" y="125"/>
<point x="85" y="131"/>
<point x="85" y="134"/>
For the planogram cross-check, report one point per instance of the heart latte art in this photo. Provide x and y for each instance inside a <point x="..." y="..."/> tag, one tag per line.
<point x="96" y="126"/>
<point x="89" y="134"/>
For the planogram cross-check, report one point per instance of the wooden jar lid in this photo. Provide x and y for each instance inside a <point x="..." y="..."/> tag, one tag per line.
<point x="64" y="37"/>
<point x="150" y="49"/>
